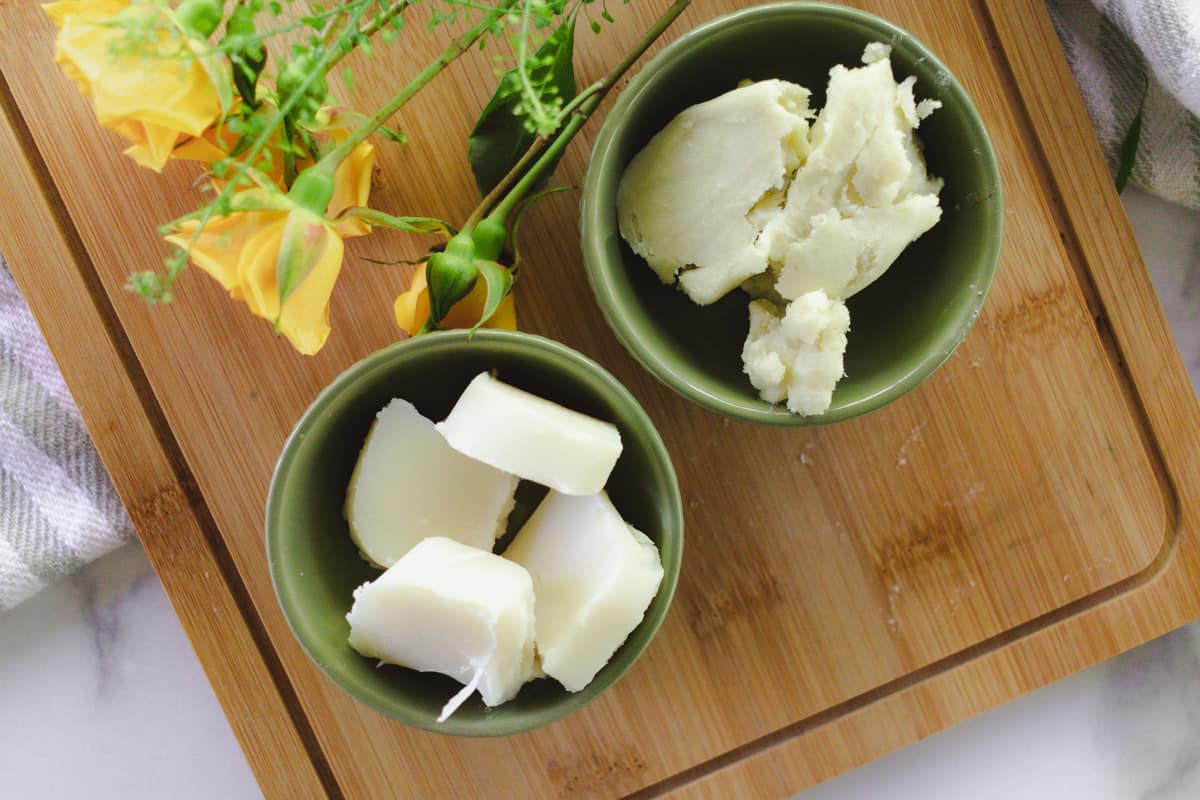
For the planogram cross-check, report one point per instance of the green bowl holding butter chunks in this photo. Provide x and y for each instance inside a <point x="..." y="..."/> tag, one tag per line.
<point x="315" y="566"/>
<point x="902" y="326"/>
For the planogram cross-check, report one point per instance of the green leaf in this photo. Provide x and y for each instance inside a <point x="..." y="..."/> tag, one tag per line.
<point x="407" y="224"/>
<point x="500" y="137"/>
<point x="385" y="263"/>
<point x="247" y="56"/>
<point x="1129" y="147"/>
<point x="392" y="135"/>
<point x="499" y="281"/>
<point x="245" y="77"/>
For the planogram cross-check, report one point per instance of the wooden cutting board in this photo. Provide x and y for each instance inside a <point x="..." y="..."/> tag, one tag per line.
<point x="1032" y="509"/>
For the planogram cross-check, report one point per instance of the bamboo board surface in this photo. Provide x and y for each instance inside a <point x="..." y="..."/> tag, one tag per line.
<point x="1031" y="509"/>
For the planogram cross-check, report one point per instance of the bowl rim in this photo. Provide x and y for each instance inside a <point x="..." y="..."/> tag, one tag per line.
<point x="600" y="277"/>
<point x="286" y="596"/>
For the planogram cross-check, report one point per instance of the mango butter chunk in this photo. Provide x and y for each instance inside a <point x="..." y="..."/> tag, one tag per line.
<point x="532" y="437"/>
<point x="452" y="609"/>
<point x="797" y="356"/>
<point x="410" y="484"/>
<point x="594" y="577"/>
<point x="693" y="199"/>
<point x="863" y="194"/>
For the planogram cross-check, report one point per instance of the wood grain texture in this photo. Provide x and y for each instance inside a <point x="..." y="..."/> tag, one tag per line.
<point x="1030" y="510"/>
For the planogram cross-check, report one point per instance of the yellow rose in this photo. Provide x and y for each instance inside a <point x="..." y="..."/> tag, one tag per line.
<point x="242" y="251"/>
<point x="151" y="101"/>
<point x="412" y="307"/>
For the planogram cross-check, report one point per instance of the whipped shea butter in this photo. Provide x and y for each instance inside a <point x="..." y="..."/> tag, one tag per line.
<point x="743" y="191"/>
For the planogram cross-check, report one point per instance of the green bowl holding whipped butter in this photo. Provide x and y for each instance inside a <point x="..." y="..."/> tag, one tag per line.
<point x="315" y="566"/>
<point x="905" y="324"/>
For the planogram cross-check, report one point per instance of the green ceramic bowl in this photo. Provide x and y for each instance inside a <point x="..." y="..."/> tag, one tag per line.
<point x="905" y="324"/>
<point x="315" y="567"/>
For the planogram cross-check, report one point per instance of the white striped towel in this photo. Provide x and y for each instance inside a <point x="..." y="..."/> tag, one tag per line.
<point x="1124" y="51"/>
<point x="58" y="509"/>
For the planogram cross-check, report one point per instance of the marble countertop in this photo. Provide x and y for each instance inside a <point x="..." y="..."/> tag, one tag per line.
<point x="102" y="697"/>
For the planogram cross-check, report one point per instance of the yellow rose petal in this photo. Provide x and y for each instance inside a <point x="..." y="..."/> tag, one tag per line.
<point x="58" y="12"/>
<point x="466" y="312"/>
<point x="305" y="318"/>
<point x="199" y="148"/>
<point x="352" y="188"/>
<point x="412" y="305"/>
<point x="257" y="276"/>
<point x="219" y="248"/>
<point x="152" y="145"/>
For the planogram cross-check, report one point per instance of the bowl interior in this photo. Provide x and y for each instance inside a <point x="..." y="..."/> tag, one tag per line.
<point x="316" y="567"/>
<point x="902" y="326"/>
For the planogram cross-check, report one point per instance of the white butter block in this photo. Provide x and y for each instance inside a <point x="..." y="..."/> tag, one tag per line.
<point x="451" y="609"/>
<point x="524" y="434"/>
<point x="594" y="577"/>
<point x="410" y="484"/>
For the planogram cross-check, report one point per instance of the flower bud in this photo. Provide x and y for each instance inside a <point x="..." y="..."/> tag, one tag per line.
<point x="300" y="249"/>
<point x="300" y="87"/>
<point x="450" y="278"/>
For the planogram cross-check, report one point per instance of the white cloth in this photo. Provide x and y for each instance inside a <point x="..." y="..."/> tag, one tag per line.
<point x="58" y="509"/>
<point x="1121" y="50"/>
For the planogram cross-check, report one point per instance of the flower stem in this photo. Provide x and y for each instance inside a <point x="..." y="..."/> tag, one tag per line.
<point x="582" y="97"/>
<point x="530" y="179"/>
<point x="530" y="155"/>
<point x="384" y="17"/>
<point x="547" y="150"/>
<point x="376" y="121"/>
<point x="377" y="23"/>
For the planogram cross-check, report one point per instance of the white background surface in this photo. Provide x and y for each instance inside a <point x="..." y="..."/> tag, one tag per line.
<point x="101" y="696"/>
